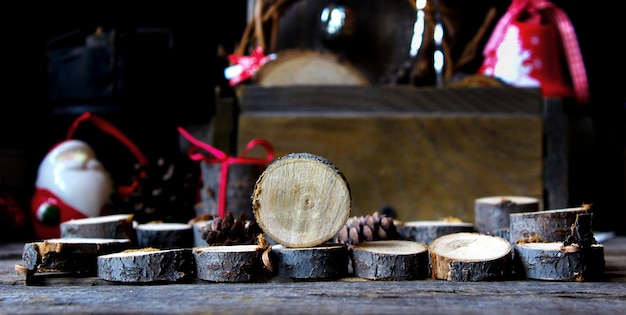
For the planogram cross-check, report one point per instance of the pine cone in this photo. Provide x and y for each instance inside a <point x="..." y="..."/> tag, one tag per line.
<point x="372" y="227"/>
<point x="231" y="231"/>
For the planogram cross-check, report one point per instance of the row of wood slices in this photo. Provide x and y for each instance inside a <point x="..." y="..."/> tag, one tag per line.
<point x="301" y="230"/>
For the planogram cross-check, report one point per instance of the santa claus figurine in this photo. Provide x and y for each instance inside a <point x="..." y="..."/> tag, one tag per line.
<point x="71" y="184"/>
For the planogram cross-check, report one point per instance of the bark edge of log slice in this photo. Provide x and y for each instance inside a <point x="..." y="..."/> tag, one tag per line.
<point x="492" y="214"/>
<point x="165" y="235"/>
<point x="470" y="257"/>
<point x="426" y="231"/>
<point x="107" y="226"/>
<point x="322" y="262"/>
<point x="301" y="200"/>
<point x="391" y="260"/>
<point x="68" y="255"/>
<point x="553" y="261"/>
<point x="543" y="226"/>
<point x="230" y="263"/>
<point x="147" y="265"/>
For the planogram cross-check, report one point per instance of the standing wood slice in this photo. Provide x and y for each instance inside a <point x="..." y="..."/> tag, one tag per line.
<point x="165" y="235"/>
<point x="108" y="226"/>
<point x="308" y="67"/>
<point x="301" y="200"/>
<point x="470" y="257"/>
<point x="233" y="263"/>
<point x="553" y="261"/>
<point x="146" y="265"/>
<point x="390" y="260"/>
<point x="322" y="262"/>
<point x="543" y="226"/>
<point x="73" y="255"/>
<point x="492" y="214"/>
<point x="427" y="231"/>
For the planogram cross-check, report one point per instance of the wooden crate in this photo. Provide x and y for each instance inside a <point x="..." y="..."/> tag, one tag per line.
<point x="427" y="152"/>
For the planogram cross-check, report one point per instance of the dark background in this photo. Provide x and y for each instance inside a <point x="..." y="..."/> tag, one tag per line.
<point x="176" y="86"/>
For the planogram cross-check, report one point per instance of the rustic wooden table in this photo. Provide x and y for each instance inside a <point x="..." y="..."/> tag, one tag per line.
<point x="345" y="296"/>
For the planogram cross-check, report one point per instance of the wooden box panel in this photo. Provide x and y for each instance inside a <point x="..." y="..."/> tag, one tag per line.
<point x="428" y="153"/>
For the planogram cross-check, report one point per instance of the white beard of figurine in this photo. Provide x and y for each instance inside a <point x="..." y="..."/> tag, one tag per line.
<point x="72" y="173"/>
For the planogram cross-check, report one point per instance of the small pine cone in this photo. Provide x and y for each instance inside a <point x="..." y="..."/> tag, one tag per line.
<point x="367" y="228"/>
<point x="231" y="231"/>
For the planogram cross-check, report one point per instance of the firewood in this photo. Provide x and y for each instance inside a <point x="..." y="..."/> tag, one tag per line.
<point x="108" y="226"/>
<point x="301" y="200"/>
<point x="470" y="257"/>
<point x="390" y="260"/>
<point x="492" y="214"/>
<point x="543" y="226"/>
<point x="230" y="263"/>
<point x="308" y="67"/>
<point x="554" y="261"/>
<point x="165" y="235"/>
<point x="322" y="262"/>
<point x="146" y="265"/>
<point x="428" y="230"/>
<point x="69" y="255"/>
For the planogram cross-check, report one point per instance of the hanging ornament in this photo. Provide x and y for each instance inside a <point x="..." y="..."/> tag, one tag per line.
<point x="337" y="24"/>
<point x="524" y="50"/>
<point x="244" y="67"/>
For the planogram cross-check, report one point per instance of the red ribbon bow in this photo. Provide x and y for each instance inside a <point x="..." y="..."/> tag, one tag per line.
<point x="566" y="30"/>
<point x="104" y="125"/>
<point x="223" y="158"/>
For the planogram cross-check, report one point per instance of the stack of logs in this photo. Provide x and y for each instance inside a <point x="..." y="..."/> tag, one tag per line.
<point x="302" y="230"/>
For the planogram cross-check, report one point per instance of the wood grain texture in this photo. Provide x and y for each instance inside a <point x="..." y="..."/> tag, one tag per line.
<point x="308" y="67"/>
<point x="390" y="260"/>
<point x="428" y="153"/>
<point x="350" y="295"/>
<point x="108" y="226"/>
<point x="235" y="263"/>
<point x="301" y="200"/>
<point x="470" y="257"/>
<point x="165" y="235"/>
<point x="543" y="226"/>
<point x="491" y="214"/>
<point x="427" y="231"/>
<point x="553" y="261"/>
<point x="322" y="262"/>
<point x="69" y="255"/>
<point x="146" y="266"/>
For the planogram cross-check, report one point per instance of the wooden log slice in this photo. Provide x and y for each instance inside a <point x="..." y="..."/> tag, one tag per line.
<point x="553" y="261"/>
<point x="165" y="235"/>
<point x="390" y="260"/>
<point x="198" y="231"/>
<point x="426" y="231"/>
<point x="301" y="200"/>
<point x="108" y="226"/>
<point x="73" y="255"/>
<point x="543" y="226"/>
<point x="491" y="214"/>
<point x="308" y="67"/>
<point x="239" y="187"/>
<point x="146" y="265"/>
<point x="322" y="262"/>
<point x="470" y="257"/>
<point x="233" y="263"/>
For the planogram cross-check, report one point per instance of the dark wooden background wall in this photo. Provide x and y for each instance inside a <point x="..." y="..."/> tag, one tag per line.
<point x="28" y="122"/>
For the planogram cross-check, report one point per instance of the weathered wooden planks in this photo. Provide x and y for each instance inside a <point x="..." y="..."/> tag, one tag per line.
<point x="429" y="153"/>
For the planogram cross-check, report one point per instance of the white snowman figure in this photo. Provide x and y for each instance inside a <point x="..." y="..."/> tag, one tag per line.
<point x="71" y="184"/>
